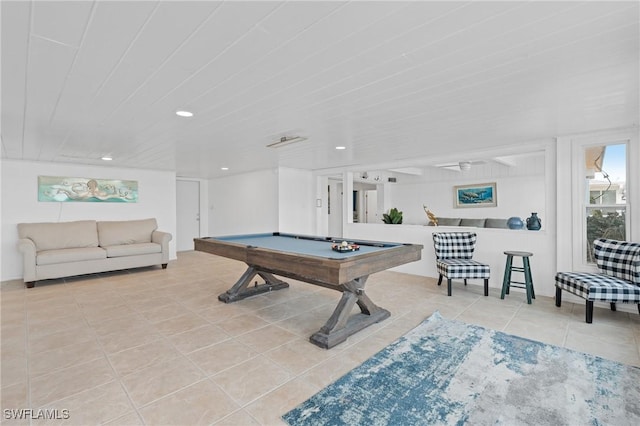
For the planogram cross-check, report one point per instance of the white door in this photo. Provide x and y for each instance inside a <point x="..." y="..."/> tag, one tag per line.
<point x="335" y="209"/>
<point x="371" y="213"/>
<point x="187" y="213"/>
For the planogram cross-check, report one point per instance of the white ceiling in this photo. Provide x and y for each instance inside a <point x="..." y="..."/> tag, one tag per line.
<point x="391" y="81"/>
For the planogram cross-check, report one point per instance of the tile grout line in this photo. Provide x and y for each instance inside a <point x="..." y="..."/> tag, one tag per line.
<point x="566" y="328"/>
<point x="27" y="351"/>
<point x="205" y="376"/>
<point x="520" y="305"/>
<point x="116" y="376"/>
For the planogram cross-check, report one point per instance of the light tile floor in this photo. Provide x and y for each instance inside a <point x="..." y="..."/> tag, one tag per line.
<point x="152" y="346"/>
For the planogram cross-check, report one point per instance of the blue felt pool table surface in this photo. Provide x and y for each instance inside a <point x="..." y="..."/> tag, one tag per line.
<point x="309" y="246"/>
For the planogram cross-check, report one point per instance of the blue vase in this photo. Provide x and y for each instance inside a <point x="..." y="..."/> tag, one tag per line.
<point x="515" y="223"/>
<point x="534" y="223"/>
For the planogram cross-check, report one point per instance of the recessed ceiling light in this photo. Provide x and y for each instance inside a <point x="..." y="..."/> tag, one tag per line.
<point x="184" y="113"/>
<point x="224" y="168"/>
<point x="107" y="158"/>
<point x="341" y="147"/>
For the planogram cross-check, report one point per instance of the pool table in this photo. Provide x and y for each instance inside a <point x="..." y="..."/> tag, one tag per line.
<point x="313" y="260"/>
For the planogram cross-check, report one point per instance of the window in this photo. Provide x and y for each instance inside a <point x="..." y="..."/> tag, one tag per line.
<point x="602" y="196"/>
<point x="605" y="201"/>
<point x="591" y="168"/>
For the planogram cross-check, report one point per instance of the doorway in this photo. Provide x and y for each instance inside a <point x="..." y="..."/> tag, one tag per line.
<point x="334" y="208"/>
<point x="371" y="206"/>
<point x="187" y="213"/>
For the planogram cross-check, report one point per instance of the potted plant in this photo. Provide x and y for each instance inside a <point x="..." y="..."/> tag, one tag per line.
<point x="393" y="217"/>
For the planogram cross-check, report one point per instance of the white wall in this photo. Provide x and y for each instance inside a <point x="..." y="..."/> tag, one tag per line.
<point x="244" y="203"/>
<point x="156" y="190"/>
<point x="296" y="197"/>
<point x="490" y="248"/>
<point x="263" y="201"/>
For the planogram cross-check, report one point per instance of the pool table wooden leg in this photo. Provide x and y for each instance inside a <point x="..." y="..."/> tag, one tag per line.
<point x="242" y="290"/>
<point x="342" y="324"/>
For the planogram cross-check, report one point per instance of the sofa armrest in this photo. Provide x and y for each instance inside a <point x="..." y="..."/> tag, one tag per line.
<point x="163" y="239"/>
<point x="28" y="249"/>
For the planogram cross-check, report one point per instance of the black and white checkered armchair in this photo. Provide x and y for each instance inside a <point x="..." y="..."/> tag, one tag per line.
<point x="618" y="279"/>
<point x="454" y="253"/>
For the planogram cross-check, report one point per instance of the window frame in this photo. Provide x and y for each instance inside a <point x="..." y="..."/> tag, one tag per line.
<point x="580" y="202"/>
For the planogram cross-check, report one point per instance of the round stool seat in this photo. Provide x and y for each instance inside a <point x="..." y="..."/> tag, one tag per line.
<point x="518" y="253"/>
<point x="507" y="283"/>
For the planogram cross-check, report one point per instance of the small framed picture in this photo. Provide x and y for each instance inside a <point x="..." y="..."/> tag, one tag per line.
<point x="475" y="195"/>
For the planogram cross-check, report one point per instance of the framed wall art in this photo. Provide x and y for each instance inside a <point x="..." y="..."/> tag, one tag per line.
<point x="475" y="195"/>
<point x="75" y="189"/>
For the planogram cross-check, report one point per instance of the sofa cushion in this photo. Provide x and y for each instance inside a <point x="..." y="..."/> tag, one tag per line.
<point x="496" y="223"/>
<point x="51" y="257"/>
<point x="114" y="233"/>
<point x="454" y="245"/>
<point x="619" y="259"/>
<point x="478" y="223"/>
<point x="60" y="235"/>
<point x="462" y="268"/>
<point x="449" y="221"/>
<point x="595" y="286"/>
<point x="132" y="249"/>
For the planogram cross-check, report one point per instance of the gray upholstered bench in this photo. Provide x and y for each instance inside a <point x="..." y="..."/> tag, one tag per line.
<point x="617" y="282"/>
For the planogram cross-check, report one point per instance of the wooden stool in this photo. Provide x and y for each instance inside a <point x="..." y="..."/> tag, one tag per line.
<point x="525" y="269"/>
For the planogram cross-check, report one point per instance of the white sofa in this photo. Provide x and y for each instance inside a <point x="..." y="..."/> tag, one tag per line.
<point x="62" y="249"/>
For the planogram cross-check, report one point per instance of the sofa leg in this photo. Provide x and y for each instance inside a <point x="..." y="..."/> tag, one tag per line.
<point x="613" y="306"/>
<point x="440" y="279"/>
<point x="558" y="296"/>
<point x="589" y="311"/>
<point x="448" y="286"/>
<point x="465" y="281"/>
<point x="30" y="284"/>
<point x="164" y="266"/>
<point x="486" y="286"/>
<point x="638" y="308"/>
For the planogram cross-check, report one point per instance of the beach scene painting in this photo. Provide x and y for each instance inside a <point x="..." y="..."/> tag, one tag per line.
<point x="75" y="189"/>
<point x="477" y="195"/>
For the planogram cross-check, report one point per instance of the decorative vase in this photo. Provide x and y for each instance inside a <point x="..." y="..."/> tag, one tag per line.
<point x="534" y="223"/>
<point x="515" y="223"/>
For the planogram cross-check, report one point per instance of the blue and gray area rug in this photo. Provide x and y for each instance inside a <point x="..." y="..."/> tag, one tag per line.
<point x="450" y="373"/>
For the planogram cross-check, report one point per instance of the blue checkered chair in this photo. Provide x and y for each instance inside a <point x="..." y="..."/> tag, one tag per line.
<point x="617" y="282"/>
<point x="454" y="252"/>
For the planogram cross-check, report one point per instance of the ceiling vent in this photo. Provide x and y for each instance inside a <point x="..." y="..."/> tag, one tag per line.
<point x="464" y="165"/>
<point x="286" y="140"/>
